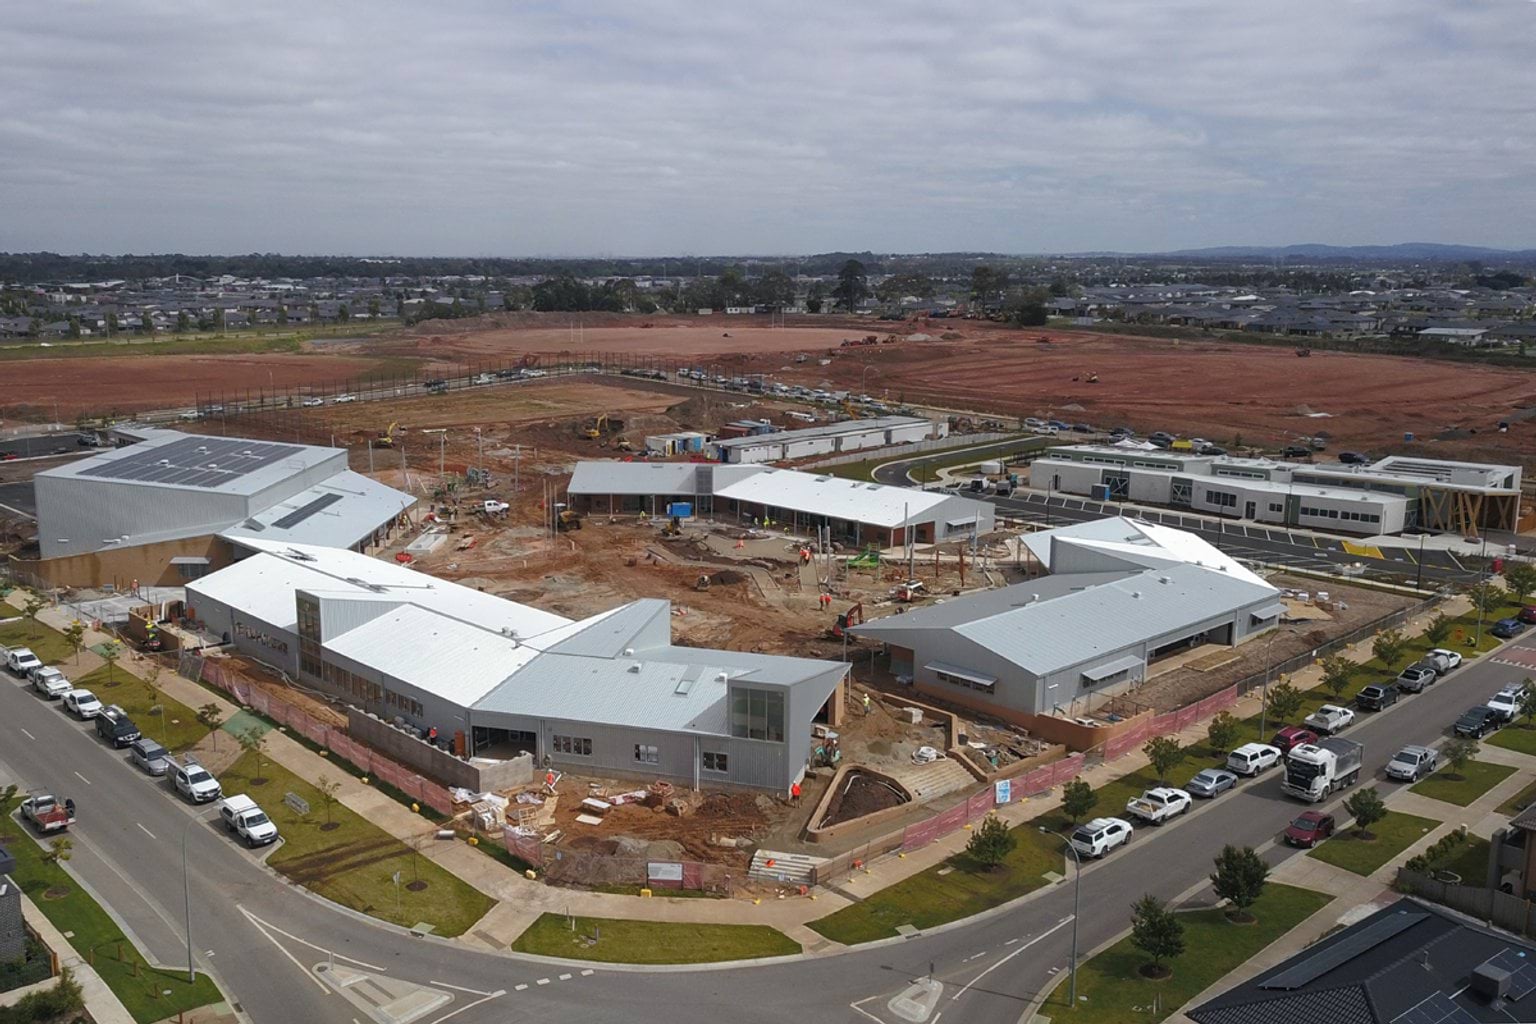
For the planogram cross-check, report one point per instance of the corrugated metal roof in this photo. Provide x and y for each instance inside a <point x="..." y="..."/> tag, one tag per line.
<point x="840" y="498"/>
<point x="641" y="478"/>
<point x="1070" y="628"/>
<point x="168" y="458"/>
<point x="1109" y="668"/>
<point x="1138" y="543"/>
<point x="354" y="506"/>
<point x="955" y="611"/>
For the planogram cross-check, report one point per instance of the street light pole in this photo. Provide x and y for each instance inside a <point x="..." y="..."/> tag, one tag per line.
<point x="186" y="892"/>
<point x="1077" y="895"/>
<point x="1418" y="583"/>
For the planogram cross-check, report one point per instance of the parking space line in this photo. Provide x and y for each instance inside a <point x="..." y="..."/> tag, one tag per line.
<point x="82" y="778"/>
<point x="145" y="831"/>
<point x="27" y="734"/>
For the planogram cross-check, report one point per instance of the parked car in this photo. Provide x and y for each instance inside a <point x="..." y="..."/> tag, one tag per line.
<point x="1439" y="664"/>
<point x="1211" y="782"/>
<point x="149" y="756"/>
<point x="1252" y="758"/>
<point x="1476" y="722"/>
<point x="1161" y="435"/>
<point x="248" y="821"/>
<point x="1414" y="678"/>
<point x="1296" y="451"/>
<point x="1377" y="696"/>
<point x="1412" y="763"/>
<point x="1292" y="736"/>
<point x="1329" y="719"/>
<point x="48" y="813"/>
<point x="114" y="726"/>
<point x="1507" y="702"/>
<point x="82" y="703"/>
<point x="1210" y="449"/>
<point x="1354" y="458"/>
<point x="193" y="781"/>
<point x="1452" y="659"/>
<point x="1507" y="629"/>
<point x="21" y="661"/>
<point x="1528" y="615"/>
<point x="311" y="402"/>
<point x="1081" y="428"/>
<point x="1159" y="804"/>
<point x="1309" y="828"/>
<point x="343" y="399"/>
<point x="1100" y="835"/>
<point x="50" y="682"/>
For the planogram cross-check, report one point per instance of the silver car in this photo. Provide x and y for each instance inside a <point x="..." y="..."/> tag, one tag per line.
<point x="1412" y="763"/>
<point x="1211" y="782"/>
<point x="149" y="755"/>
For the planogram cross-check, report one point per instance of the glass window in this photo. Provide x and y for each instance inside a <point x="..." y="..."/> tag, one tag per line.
<point x="646" y="754"/>
<point x="714" y="761"/>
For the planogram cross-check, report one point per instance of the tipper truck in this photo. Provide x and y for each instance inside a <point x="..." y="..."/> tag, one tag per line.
<point x="1313" y="770"/>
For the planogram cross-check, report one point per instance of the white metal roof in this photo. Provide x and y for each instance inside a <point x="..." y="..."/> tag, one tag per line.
<point x="875" y="424"/>
<point x="840" y="498"/>
<point x="169" y="458"/>
<point x="336" y="513"/>
<point x="1138" y="543"/>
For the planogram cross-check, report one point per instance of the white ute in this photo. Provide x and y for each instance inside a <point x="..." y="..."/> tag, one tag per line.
<point x="21" y="661"/>
<point x="1329" y="719"/>
<point x="1507" y="702"/>
<point x="1100" y="835"/>
<point x="241" y="815"/>
<point x="1252" y="758"/>
<point x="193" y="781"/>
<point x="1158" y="804"/>
<point x="82" y="703"/>
<point x="50" y="682"/>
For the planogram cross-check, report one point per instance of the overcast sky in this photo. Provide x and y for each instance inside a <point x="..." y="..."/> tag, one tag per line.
<point x="688" y="126"/>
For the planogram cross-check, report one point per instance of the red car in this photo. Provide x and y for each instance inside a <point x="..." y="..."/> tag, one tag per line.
<point x="1292" y="736"/>
<point x="1309" y="829"/>
<point x="1528" y="614"/>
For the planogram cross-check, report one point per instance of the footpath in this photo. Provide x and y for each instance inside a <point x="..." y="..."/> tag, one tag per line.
<point x="520" y="901"/>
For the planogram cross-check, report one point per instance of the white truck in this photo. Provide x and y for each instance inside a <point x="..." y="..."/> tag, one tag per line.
<point x="1314" y="770"/>
<point x="21" y="661"/>
<point x="1159" y="804"/>
<point x="48" y="814"/>
<point x="242" y="817"/>
<point x="193" y="781"/>
<point x="1329" y="719"/>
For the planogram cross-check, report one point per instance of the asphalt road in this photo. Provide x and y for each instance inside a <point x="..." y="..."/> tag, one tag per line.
<point x="264" y="938"/>
<point x="19" y="497"/>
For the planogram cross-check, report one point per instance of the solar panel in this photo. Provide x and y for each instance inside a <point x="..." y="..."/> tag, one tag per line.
<point x="1522" y="972"/>
<point x="1343" y="951"/>
<point x="193" y="461"/>
<point x="306" y="510"/>
<point x="1437" y="1009"/>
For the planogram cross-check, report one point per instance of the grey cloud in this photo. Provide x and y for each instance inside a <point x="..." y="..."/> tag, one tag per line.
<point x="564" y="128"/>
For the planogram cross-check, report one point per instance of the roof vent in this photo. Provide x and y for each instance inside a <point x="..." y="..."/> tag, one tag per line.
<point x="722" y="677"/>
<point x="1163" y="579"/>
<point x="1136" y="593"/>
<point x="1489" y="983"/>
<point x="1033" y="598"/>
<point x="635" y="668"/>
<point x="629" y="652"/>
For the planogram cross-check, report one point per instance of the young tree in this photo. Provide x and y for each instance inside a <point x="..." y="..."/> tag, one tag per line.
<point x="1528" y="701"/>
<point x="1221" y="734"/>
<point x="1284" y="702"/>
<point x="254" y="741"/>
<point x="1077" y="800"/>
<point x="1337" y="671"/>
<point x="1457" y="751"/>
<point x="1157" y="932"/>
<point x="211" y="718"/>
<point x="1165" y="753"/>
<point x="1367" y="809"/>
<point x="58" y="850"/>
<point x="1521" y="579"/>
<point x="327" y="790"/>
<point x="1239" y="879"/>
<point x="1439" y="630"/>
<point x="183" y="322"/>
<point x="991" y="842"/>
<point x="151" y="681"/>
<point x="147" y="323"/>
<point x="9" y="797"/>
<point x="74" y="635"/>
<point x="1389" y="646"/>
<point x="1487" y="597"/>
<point x="110" y="652"/>
<point x="35" y="604"/>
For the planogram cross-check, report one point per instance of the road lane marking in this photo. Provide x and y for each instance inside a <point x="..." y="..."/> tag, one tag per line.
<point x="82" y="778"/>
<point x="304" y="942"/>
<point x="519" y="988"/>
<point x="461" y="988"/>
<point x="587" y="973"/>
<point x="283" y="950"/>
<point x="470" y="1006"/>
<point x="565" y="977"/>
<point x="145" y="831"/>
<point x="1043" y="935"/>
<point x="542" y="981"/>
<point x="27" y="734"/>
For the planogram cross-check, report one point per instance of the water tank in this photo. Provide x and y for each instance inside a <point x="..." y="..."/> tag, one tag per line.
<point x="991" y="468"/>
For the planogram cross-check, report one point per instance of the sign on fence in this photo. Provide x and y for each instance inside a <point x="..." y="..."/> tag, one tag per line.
<point x="1002" y="792"/>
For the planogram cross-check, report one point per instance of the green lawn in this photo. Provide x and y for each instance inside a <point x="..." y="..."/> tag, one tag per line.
<point x="959" y="888"/>
<point x="1111" y="990"/>
<point x="47" y="643"/>
<point x="1470" y="862"/>
<point x="1519" y="802"/>
<point x="1520" y="738"/>
<point x="94" y="936"/>
<point x="1477" y="778"/>
<point x="352" y="864"/>
<point x="1392" y="835"/>
<point x="176" y="726"/>
<point x="651" y="942"/>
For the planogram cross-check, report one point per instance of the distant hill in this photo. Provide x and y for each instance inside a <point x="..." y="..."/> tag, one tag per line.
<point x="1411" y="251"/>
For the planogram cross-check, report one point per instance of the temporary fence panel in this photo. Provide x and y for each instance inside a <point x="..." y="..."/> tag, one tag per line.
<point x="528" y="849"/>
<point x="925" y="832"/>
<point x="1067" y="769"/>
<point x="980" y="804"/>
<point x="437" y="798"/>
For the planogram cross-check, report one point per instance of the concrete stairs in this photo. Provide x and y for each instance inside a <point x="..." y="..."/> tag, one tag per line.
<point x="785" y="868"/>
<point x="927" y="781"/>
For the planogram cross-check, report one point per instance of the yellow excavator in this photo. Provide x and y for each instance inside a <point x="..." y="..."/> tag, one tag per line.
<point x="387" y="439"/>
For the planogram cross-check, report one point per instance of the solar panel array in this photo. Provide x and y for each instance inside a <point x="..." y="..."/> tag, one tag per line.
<point x="1437" y="1009"/>
<point x="1522" y="973"/>
<point x="306" y="510"/>
<point x="207" y="462"/>
<point x="1343" y="951"/>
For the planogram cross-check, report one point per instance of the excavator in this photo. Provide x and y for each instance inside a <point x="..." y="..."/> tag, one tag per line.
<point x="847" y="620"/>
<point x="567" y="519"/>
<point x="387" y="439"/>
<point x="601" y="427"/>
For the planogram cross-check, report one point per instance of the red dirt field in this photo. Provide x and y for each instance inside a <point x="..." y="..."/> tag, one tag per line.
<point x="130" y="383"/>
<point x="1203" y="388"/>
